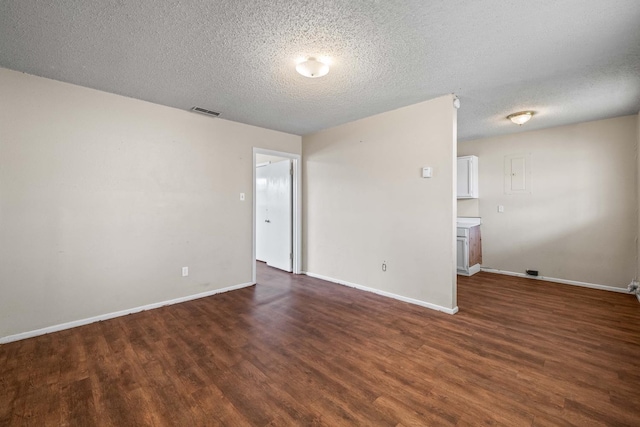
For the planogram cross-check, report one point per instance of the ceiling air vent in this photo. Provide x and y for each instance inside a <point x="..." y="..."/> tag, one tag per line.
<point x="205" y="111"/>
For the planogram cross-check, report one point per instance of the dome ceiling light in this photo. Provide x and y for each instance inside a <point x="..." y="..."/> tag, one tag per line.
<point x="313" y="68"/>
<point x="521" y="117"/>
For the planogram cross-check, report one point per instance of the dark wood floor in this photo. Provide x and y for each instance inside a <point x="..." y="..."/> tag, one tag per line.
<point x="298" y="351"/>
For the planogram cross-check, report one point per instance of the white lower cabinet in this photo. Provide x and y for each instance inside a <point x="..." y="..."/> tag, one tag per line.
<point x="462" y="250"/>
<point x="468" y="250"/>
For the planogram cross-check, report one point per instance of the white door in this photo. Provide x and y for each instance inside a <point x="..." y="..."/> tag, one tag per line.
<point x="274" y="215"/>
<point x="261" y="214"/>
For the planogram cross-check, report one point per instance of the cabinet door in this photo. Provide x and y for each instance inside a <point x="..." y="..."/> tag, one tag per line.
<point x="462" y="258"/>
<point x="475" y="246"/>
<point x="464" y="178"/>
<point x="467" y="174"/>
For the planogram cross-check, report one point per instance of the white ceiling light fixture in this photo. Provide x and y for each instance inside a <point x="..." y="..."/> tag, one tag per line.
<point x="313" y="68"/>
<point x="521" y="117"/>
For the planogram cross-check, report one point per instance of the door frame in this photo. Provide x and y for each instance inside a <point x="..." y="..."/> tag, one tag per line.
<point x="296" y="203"/>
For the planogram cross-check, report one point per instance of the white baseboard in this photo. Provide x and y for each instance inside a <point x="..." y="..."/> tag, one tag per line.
<point x="472" y="270"/>
<point x="385" y="294"/>
<point x="563" y="281"/>
<point x="82" y="322"/>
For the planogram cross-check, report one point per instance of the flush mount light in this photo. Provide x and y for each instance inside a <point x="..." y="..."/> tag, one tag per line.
<point x="313" y="68"/>
<point x="520" y="118"/>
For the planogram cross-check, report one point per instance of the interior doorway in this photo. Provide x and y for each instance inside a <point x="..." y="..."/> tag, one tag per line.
<point x="274" y="215"/>
<point x="276" y="210"/>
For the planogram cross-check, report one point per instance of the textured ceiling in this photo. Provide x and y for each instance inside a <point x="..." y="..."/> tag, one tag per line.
<point x="569" y="60"/>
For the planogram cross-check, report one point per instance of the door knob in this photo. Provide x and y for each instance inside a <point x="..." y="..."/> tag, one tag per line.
<point x="266" y="220"/>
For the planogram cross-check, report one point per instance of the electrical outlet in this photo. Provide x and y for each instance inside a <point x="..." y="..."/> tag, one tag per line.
<point x="185" y="271"/>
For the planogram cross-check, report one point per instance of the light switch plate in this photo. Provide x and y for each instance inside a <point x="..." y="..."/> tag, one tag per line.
<point x="427" y="172"/>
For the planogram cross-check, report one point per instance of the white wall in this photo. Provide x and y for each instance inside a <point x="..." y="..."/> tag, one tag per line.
<point x="104" y="198"/>
<point x="580" y="221"/>
<point x="365" y="202"/>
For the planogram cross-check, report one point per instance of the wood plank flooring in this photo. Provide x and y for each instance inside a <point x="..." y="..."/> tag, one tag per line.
<point x="294" y="350"/>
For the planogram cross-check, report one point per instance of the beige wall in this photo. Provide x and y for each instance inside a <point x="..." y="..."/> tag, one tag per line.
<point x="580" y="221"/>
<point x="469" y="207"/>
<point x="638" y="195"/>
<point x="104" y="198"/>
<point x="365" y="202"/>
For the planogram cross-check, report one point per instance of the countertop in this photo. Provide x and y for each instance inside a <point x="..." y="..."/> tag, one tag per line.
<point x="468" y="222"/>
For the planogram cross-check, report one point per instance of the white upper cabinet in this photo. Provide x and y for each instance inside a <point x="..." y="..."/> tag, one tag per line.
<point x="468" y="177"/>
